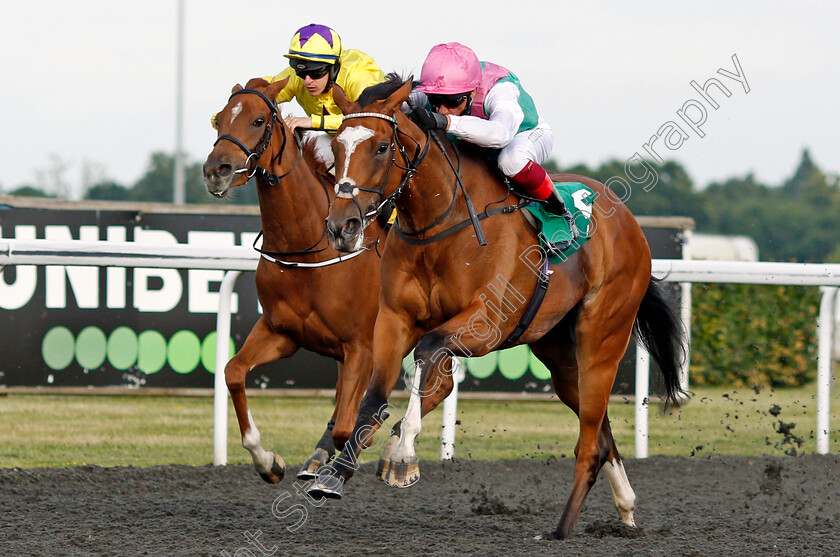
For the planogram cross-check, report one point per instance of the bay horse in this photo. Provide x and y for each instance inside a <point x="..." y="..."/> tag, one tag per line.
<point x="300" y="276"/>
<point x="451" y="297"/>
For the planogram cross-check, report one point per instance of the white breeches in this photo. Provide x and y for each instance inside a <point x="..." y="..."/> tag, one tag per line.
<point x="530" y="145"/>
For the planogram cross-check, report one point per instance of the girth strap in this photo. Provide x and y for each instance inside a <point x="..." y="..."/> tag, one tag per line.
<point x="533" y="306"/>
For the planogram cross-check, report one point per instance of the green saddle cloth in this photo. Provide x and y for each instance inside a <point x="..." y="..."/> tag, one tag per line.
<point x="557" y="235"/>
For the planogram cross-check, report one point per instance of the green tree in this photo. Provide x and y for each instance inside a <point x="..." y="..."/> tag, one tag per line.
<point x="156" y="184"/>
<point x="108" y="191"/>
<point x="29" y="191"/>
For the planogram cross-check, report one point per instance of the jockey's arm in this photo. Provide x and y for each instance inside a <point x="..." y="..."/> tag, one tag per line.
<point x="504" y="118"/>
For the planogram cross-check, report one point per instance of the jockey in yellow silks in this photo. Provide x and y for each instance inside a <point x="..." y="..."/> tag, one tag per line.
<point x="317" y="61"/>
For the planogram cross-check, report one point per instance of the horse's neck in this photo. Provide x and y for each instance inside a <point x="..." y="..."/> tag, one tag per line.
<point x="294" y="209"/>
<point x="431" y="191"/>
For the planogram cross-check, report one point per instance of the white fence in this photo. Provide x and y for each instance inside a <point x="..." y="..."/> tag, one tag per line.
<point x="235" y="260"/>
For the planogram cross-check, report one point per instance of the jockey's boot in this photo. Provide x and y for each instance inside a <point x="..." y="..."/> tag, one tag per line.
<point x="555" y="205"/>
<point x="534" y="182"/>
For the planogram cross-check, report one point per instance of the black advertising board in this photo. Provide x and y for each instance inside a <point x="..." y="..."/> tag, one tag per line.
<point x="92" y="326"/>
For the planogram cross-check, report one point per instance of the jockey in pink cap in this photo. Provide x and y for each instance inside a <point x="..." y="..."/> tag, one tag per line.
<point x="484" y="104"/>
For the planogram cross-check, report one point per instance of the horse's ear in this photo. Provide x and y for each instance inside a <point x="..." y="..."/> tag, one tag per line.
<point x="344" y="104"/>
<point x="256" y="83"/>
<point x="236" y="88"/>
<point x="275" y="88"/>
<point x="398" y="97"/>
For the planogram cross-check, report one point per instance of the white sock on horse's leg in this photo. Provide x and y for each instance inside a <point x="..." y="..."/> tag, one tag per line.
<point x="623" y="495"/>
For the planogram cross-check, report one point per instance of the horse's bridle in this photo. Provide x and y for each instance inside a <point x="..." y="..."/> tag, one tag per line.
<point x="262" y="144"/>
<point x="350" y="190"/>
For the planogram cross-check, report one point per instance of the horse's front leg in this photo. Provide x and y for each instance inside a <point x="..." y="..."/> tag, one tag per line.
<point x="261" y="347"/>
<point x="436" y="360"/>
<point x="434" y="366"/>
<point x="353" y="377"/>
<point x="392" y="339"/>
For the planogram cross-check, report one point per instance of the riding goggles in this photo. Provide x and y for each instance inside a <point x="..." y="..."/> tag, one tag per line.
<point x="449" y="101"/>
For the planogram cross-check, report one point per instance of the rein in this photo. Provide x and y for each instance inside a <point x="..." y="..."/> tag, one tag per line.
<point x="473" y="219"/>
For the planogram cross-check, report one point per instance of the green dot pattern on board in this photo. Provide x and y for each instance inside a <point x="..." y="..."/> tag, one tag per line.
<point x="151" y="351"/>
<point x="184" y="351"/>
<point x="208" y="352"/>
<point x="538" y="368"/>
<point x="122" y="348"/>
<point x="91" y="348"/>
<point x="58" y="348"/>
<point x="513" y="362"/>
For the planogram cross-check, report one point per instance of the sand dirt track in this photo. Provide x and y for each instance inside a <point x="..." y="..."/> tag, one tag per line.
<point x="722" y="505"/>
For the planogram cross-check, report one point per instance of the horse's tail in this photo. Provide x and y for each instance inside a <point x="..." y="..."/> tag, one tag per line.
<point x="660" y="331"/>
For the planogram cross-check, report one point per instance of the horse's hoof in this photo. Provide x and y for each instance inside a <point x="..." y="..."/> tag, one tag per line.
<point x="277" y="472"/>
<point x="382" y="470"/>
<point x="329" y="488"/>
<point x="385" y="458"/>
<point x="549" y="536"/>
<point x="403" y="474"/>
<point x="309" y="470"/>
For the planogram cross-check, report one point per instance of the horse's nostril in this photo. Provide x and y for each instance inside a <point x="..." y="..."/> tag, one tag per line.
<point x="351" y="227"/>
<point x="224" y="170"/>
<point x="331" y="230"/>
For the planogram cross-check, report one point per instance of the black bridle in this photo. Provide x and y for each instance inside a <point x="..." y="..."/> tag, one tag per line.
<point x="262" y="144"/>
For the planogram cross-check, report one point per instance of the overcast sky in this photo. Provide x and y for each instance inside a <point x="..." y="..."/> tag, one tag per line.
<point x="93" y="83"/>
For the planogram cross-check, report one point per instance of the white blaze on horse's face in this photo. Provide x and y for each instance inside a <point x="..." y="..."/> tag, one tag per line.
<point x="351" y="138"/>
<point x="235" y="112"/>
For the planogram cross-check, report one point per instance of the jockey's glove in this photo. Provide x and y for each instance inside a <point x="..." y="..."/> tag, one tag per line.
<point x="429" y="120"/>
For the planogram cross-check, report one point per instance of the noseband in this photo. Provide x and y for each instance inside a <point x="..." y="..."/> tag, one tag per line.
<point x="262" y="144"/>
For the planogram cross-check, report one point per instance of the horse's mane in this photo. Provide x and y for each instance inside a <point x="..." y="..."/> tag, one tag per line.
<point x="382" y="91"/>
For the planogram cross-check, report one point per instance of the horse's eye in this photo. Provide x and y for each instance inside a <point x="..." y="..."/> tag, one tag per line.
<point x="382" y="148"/>
<point x="259" y="122"/>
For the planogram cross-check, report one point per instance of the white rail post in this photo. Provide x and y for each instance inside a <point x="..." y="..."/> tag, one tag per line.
<point x="219" y="386"/>
<point x="642" y="403"/>
<point x="450" y="413"/>
<point x="685" y="312"/>
<point x="825" y="334"/>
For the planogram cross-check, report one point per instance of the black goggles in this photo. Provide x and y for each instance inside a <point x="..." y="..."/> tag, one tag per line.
<point x="315" y="73"/>
<point x="449" y="101"/>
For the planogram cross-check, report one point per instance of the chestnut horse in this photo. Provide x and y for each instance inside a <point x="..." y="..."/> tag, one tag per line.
<point x="451" y="297"/>
<point x="300" y="287"/>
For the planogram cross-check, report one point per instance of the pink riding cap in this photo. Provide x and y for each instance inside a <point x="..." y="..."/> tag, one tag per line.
<point x="450" y="68"/>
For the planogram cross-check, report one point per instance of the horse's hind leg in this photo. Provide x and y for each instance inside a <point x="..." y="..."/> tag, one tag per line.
<point x="602" y="333"/>
<point x="557" y="352"/>
<point x="261" y="347"/>
<point x="624" y="497"/>
<point x="325" y="448"/>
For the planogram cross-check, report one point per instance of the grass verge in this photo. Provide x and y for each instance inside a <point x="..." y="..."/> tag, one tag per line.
<point x="47" y="430"/>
